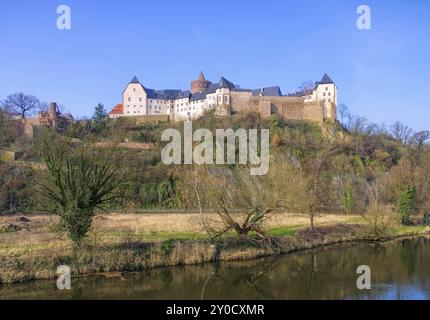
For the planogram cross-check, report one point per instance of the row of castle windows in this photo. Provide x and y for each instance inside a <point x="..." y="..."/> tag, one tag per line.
<point x="189" y="109"/>
<point x="134" y="112"/>
<point x="155" y="107"/>
<point x="129" y="99"/>
<point x="166" y="102"/>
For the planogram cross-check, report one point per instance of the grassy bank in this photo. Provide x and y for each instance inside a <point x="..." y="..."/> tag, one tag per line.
<point x="30" y="250"/>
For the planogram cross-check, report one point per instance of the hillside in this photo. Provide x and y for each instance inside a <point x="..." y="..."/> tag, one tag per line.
<point x="345" y="164"/>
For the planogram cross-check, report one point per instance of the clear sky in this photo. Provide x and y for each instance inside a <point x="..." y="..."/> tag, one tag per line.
<point x="382" y="73"/>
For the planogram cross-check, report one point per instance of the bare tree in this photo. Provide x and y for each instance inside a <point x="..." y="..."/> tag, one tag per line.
<point x="243" y="203"/>
<point x="20" y="103"/>
<point x="43" y="107"/>
<point x="401" y="132"/>
<point x="345" y="116"/>
<point x="359" y="125"/>
<point x="378" y="215"/>
<point x="203" y="221"/>
<point x="307" y="87"/>
<point x="420" y="139"/>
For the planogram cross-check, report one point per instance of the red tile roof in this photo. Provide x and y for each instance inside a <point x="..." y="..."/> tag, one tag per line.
<point x="119" y="109"/>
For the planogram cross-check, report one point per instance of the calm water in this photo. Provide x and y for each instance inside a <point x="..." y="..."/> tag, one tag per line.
<point x="400" y="270"/>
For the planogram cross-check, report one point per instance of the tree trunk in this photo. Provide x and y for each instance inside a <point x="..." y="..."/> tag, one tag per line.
<point x="311" y="216"/>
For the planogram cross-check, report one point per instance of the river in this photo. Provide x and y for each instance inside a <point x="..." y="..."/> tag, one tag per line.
<point x="399" y="270"/>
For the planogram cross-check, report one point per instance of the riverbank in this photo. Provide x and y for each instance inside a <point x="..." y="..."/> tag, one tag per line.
<point x="30" y="250"/>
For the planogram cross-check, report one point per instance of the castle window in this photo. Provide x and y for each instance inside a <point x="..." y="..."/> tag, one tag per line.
<point x="329" y="94"/>
<point x="129" y="99"/>
<point x="140" y="99"/>
<point x="326" y="88"/>
<point x="324" y="94"/>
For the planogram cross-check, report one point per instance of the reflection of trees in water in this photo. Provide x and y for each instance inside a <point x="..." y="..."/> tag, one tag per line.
<point x="252" y="278"/>
<point x="408" y="251"/>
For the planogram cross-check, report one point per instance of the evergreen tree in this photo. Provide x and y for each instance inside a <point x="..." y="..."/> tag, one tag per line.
<point x="348" y="198"/>
<point x="99" y="118"/>
<point x="407" y="204"/>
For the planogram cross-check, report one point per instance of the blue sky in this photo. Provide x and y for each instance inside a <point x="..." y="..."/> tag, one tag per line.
<point x="382" y="74"/>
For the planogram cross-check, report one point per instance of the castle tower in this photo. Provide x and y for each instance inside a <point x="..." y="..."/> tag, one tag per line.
<point x="326" y="92"/>
<point x="53" y="114"/>
<point x="135" y="99"/>
<point x="200" y="85"/>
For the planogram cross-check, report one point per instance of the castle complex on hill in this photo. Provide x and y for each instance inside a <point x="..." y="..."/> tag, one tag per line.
<point x="317" y="103"/>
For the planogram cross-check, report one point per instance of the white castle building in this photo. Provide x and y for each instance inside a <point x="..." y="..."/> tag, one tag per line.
<point x="315" y="103"/>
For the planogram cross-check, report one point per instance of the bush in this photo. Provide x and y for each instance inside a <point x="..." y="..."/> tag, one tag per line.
<point x="378" y="215"/>
<point x="426" y="219"/>
<point x="79" y="181"/>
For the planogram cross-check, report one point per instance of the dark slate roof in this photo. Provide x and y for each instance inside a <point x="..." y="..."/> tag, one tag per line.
<point x="183" y="95"/>
<point x="268" y="92"/>
<point x="213" y="87"/>
<point x="134" y="80"/>
<point x="300" y="93"/>
<point x="151" y="93"/>
<point x="167" y="94"/>
<point x="162" y="94"/>
<point x="238" y="89"/>
<point x="325" y="80"/>
<point x="224" y="83"/>
<point x="198" y="96"/>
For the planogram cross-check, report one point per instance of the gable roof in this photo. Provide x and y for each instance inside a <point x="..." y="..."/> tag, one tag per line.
<point x="134" y="80"/>
<point x="224" y="83"/>
<point x="118" y="109"/>
<point x="325" y="80"/>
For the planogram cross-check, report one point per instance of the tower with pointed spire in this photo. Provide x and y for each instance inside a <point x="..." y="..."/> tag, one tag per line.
<point x="201" y="85"/>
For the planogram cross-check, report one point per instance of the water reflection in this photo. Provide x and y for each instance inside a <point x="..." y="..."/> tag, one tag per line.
<point x="400" y="270"/>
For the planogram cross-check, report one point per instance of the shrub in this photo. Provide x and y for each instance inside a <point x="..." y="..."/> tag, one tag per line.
<point x="79" y="181"/>
<point x="407" y="205"/>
